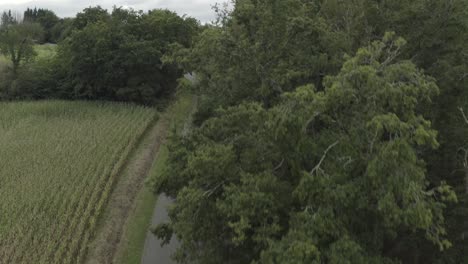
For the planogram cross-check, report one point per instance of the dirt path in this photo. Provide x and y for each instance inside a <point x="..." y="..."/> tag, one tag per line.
<point x="121" y="203"/>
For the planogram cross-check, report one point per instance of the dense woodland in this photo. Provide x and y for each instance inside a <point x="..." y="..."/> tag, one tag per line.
<point x="116" y="56"/>
<point x="328" y="131"/>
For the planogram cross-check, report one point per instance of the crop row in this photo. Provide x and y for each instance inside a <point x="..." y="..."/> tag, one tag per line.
<point x="58" y="164"/>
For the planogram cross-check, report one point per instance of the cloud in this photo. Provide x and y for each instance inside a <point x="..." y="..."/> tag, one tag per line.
<point x="200" y="9"/>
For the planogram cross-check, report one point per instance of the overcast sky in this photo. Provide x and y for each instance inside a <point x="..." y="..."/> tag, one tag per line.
<point x="200" y="9"/>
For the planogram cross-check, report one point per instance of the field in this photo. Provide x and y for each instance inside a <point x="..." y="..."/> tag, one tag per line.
<point x="59" y="162"/>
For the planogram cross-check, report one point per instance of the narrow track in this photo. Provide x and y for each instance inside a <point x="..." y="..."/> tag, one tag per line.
<point x="103" y="249"/>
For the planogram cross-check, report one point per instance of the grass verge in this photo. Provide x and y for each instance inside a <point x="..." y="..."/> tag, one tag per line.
<point x="140" y="221"/>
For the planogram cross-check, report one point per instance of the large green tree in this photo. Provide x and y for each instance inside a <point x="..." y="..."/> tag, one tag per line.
<point x="264" y="48"/>
<point x="120" y="57"/>
<point x="325" y="175"/>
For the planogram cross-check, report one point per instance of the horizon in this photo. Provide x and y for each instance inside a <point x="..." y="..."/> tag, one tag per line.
<point x="199" y="9"/>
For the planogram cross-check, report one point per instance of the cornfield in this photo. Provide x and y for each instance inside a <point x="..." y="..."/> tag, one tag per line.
<point x="58" y="164"/>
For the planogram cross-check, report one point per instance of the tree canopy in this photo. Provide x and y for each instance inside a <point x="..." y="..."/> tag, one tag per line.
<point x="44" y="17"/>
<point x="100" y="56"/>
<point x="321" y="176"/>
<point x="327" y="132"/>
<point x="120" y="57"/>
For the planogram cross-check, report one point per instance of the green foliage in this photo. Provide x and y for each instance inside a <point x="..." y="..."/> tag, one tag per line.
<point x="323" y="176"/>
<point x="90" y="15"/>
<point x="17" y="43"/>
<point x="265" y="49"/>
<point x="303" y="153"/>
<point x="119" y="58"/>
<point x="34" y="80"/>
<point x="46" y="18"/>
<point x="9" y="18"/>
<point x="61" y="30"/>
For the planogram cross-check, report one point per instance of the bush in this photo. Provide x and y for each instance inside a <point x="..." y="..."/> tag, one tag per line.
<point x="35" y="80"/>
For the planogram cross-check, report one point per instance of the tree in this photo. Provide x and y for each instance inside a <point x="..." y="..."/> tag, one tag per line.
<point x="325" y="175"/>
<point x="264" y="48"/>
<point x="62" y="30"/>
<point x="120" y="58"/>
<point x="17" y="42"/>
<point x="46" y="18"/>
<point x="7" y="19"/>
<point x="90" y="15"/>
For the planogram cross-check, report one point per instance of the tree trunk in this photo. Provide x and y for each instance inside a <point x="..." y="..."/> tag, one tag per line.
<point x="15" y="68"/>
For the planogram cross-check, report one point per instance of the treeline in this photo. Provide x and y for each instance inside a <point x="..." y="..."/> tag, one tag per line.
<point x="101" y="55"/>
<point x="55" y="28"/>
<point x="327" y="132"/>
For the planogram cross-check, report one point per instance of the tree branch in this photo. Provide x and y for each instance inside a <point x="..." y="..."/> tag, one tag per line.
<point x="213" y="190"/>
<point x="463" y="114"/>
<point x="279" y="165"/>
<point x="317" y="167"/>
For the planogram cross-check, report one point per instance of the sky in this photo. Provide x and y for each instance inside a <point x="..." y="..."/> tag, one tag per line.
<point x="200" y="9"/>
